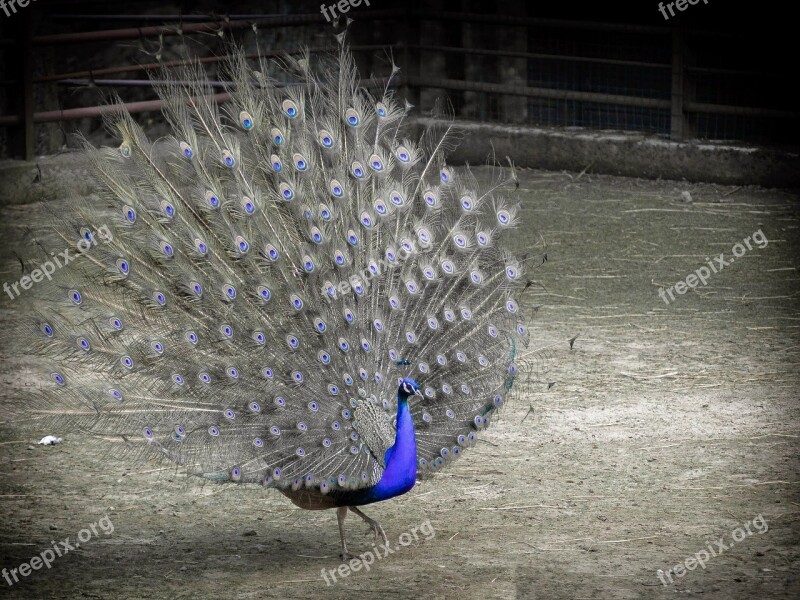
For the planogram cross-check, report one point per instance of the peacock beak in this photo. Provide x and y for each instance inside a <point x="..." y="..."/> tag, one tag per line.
<point x="419" y="393"/>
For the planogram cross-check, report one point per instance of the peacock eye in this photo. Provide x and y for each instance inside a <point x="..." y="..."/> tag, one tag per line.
<point x="264" y="292"/>
<point x="357" y="169"/>
<point x="248" y="205"/>
<point x="352" y="117"/>
<point x="380" y="207"/>
<point x="381" y="110"/>
<point x="290" y="108"/>
<point x="325" y="138"/>
<point x="299" y="161"/>
<point x="271" y="252"/>
<point x="241" y="244"/>
<point x="122" y="266"/>
<point x="286" y="191"/>
<point x="212" y="199"/>
<point x="402" y="153"/>
<point x="246" y="120"/>
<point x="376" y="162"/>
<point x="431" y="199"/>
<point x="227" y="159"/>
<point x="186" y="149"/>
<point x="277" y="136"/>
<point x="130" y="213"/>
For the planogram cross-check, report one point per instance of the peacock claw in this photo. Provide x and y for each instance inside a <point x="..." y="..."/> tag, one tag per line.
<point x="378" y="531"/>
<point x="374" y="526"/>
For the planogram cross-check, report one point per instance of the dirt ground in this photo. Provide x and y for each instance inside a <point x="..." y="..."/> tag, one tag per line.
<point x="666" y="430"/>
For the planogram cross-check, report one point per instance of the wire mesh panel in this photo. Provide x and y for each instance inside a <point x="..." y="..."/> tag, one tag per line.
<point x="506" y="63"/>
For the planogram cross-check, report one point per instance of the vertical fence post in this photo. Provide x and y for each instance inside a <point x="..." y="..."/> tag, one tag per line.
<point x="514" y="71"/>
<point x="454" y="34"/>
<point x="410" y="69"/>
<point x="22" y="136"/>
<point x="677" y="115"/>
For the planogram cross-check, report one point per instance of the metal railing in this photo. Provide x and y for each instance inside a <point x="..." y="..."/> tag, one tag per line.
<point x="638" y="77"/>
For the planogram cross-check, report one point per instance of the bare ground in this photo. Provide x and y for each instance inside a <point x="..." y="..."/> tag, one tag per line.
<point x="667" y="428"/>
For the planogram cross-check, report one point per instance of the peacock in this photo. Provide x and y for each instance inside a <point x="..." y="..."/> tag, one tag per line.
<point x="287" y="290"/>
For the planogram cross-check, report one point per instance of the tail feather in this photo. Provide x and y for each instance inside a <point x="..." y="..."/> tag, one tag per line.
<point x="254" y="285"/>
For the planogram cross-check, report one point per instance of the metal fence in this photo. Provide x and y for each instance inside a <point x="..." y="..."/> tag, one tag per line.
<point x="503" y="64"/>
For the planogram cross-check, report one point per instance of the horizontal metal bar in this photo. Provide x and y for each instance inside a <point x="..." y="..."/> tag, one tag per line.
<point x="182" y="28"/>
<point x="564" y="24"/>
<point x="91" y="73"/>
<point x="615" y="99"/>
<point x="742" y="111"/>
<point x="434" y="15"/>
<point x="155" y="82"/>
<point x="537" y="92"/>
<point x="375" y="82"/>
<point x="162" y="18"/>
<point x="734" y="72"/>
<point x="135" y="32"/>
<point x="475" y="86"/>
<point x="70" y="114"/>
<point x="139" y="83"/>
<point x="535" y="55"/>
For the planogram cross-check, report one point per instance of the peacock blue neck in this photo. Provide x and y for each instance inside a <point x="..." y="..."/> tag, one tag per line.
<point x="400" y="473"/>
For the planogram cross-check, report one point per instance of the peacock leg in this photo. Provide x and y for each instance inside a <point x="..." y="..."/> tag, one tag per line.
<point x="373" y="524"/>
<point x="341" y="513"/>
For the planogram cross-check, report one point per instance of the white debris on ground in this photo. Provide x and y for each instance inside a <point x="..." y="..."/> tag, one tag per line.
<point x="50" y="440"/>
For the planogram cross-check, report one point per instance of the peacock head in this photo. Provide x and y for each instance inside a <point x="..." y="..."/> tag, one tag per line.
<point x="408" y="387"/>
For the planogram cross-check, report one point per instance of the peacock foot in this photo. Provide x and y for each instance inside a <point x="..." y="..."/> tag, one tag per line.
<point x="374" y="526"/>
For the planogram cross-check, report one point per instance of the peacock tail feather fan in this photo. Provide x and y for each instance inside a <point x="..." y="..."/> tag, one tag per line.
<point x="251" y="288"/>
